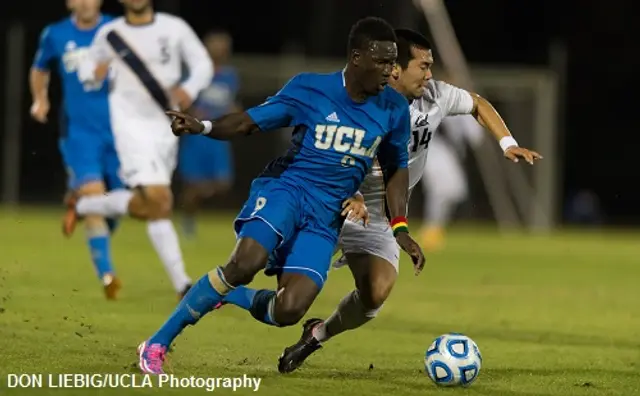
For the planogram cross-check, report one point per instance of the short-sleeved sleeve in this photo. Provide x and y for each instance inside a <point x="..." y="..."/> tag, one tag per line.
<point x="281" y="110"/>
<point x="394" y="149"/>
<point x="46" y="51"/>
<point x="454" y="100"/>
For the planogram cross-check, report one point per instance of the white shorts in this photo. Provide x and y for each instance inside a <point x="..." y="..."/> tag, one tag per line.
<point x="376" y="239"/>
<point x="148" y="152"/>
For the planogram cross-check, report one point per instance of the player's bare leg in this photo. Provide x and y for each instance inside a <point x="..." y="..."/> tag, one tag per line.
<point x="247" y="259"/>
<point x="153" y="204"/>
<point x="193" y="194"/>
<point x="97" y="232"/>
<point x="296" y="293"/>
<point x="374" y="278"/>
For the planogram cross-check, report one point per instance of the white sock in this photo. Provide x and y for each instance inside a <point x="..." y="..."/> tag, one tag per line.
<point x="439" y="209"/>
<point x="112" y="204"/>
<point x="165" y="240"/>
<point x="350" y="315"/>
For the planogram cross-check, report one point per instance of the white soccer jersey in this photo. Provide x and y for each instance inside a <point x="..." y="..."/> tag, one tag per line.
<point x="145" y="66"/>
<point x="144" y="57"/>
<point x="439" y="100"/>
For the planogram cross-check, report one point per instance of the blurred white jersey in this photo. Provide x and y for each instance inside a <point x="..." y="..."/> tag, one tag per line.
<point x="145" y="65"/>
<point x="440" y="100"/>
<point x="146" y="57"/>
<point x="459" y="132"/>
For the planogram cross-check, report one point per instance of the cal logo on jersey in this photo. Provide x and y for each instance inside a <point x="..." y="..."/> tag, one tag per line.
<point x="421" y="133"/>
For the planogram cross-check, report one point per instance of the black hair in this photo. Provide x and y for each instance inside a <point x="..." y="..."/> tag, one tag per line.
<point x="367" y="30"/>
<point x="408" y="39"/>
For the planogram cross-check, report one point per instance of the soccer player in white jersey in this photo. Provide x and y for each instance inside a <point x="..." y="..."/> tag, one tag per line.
<point x="372" y="252"/>
<point x="142" y="54"/>
<point x="444" y="182"/>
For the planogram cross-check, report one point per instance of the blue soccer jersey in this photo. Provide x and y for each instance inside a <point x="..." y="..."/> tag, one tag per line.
<point x="64" y="46"/>
<point x="201" y="158"/>
<point x="218" y="98"/>
<point x="335" y="141"/>
<point x="86" y="142"/>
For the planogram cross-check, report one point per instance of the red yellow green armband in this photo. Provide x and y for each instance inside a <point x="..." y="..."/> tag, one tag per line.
<point x="399" y="224"/>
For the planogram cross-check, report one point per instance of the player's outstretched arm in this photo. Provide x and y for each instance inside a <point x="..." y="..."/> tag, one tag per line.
<point x="489" y="118"/>
<point x="278" y="111"/>
<point x="224" y="128"/>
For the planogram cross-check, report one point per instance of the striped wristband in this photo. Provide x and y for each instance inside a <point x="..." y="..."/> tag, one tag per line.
<point x="399" y="224"/>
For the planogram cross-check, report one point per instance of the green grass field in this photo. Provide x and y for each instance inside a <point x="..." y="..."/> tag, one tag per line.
<point x="555" y="315"/>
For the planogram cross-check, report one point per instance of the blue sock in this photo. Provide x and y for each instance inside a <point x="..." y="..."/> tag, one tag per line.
<point x="241" y="296"/>
<point x="200" y="300"/>
<point x="262" y="306"/>
<point x="101" y="254"/>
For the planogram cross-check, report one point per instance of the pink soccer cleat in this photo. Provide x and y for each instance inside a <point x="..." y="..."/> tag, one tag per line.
<point x="151" y="358"/>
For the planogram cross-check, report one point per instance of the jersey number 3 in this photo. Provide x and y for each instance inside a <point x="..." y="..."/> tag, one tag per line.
<point x="421" y="137"/>
<point x="165" y="56"/>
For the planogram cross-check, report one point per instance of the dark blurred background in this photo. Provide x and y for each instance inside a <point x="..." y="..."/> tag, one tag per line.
<point x="596" y="128"/>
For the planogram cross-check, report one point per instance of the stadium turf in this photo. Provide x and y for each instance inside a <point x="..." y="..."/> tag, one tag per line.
<point x="552" y="315"/>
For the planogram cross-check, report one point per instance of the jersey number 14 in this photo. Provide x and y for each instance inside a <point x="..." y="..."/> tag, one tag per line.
<point x="421" y="137"/>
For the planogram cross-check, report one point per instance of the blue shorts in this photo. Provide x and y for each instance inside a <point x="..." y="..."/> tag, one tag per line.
<point x="90" y="156"/>
<point x="276" y="216"/>
<point x="204" y="159"/>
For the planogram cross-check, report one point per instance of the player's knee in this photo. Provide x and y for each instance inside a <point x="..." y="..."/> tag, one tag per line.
<point x="158" y="202"/>
<point x="220" y="187"/>
<point x="239" y="270"/>
<point x="91" y="188"/>
<point x="248" y="258"/>
<point x="376" y="294"/>
<point x="289" y="308"/>
<point x="95" y="224"/>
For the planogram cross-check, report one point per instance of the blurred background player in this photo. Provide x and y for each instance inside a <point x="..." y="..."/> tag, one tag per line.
<point x="146" y="50"/>
<point x="86" y="141"/>
<point x="205" y="165"/>
<point x="444" y="181"/>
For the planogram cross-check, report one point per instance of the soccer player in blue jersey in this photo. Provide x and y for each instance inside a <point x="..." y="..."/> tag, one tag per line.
<point x="206" y="165"/>
<point x="86" y="141"/>
<point x="341" y="121"/>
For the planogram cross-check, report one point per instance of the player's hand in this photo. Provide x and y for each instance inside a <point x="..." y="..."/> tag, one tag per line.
<point x="355" y="210"/>
<point x="182" y="98"/>
<point x="40" y="110"/>
<point x="413" y="249"/>
<point x="184" y="124"/>
<point x="513" y="153"/>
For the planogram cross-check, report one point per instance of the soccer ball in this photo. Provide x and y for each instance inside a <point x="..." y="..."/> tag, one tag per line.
<point x="453" y="360"/>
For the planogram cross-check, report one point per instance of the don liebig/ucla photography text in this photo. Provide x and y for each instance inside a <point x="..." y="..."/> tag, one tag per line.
<point x="124" y="381"/>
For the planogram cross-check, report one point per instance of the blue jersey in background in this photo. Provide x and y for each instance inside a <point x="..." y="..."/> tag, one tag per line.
<point x="202" y="158"/>
<point x="86" y="141"/>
